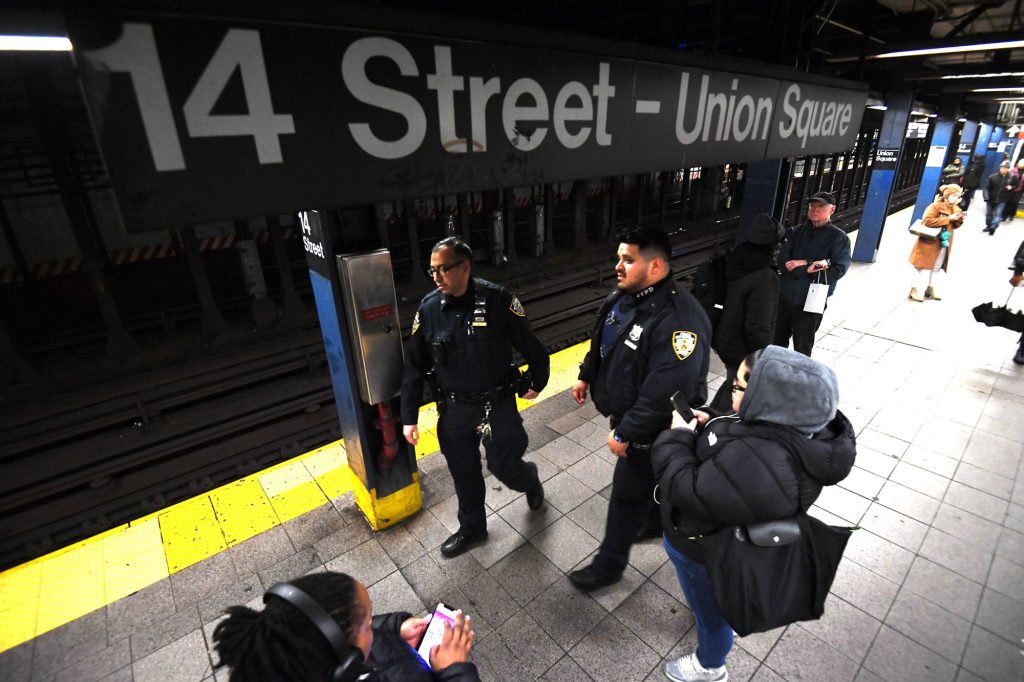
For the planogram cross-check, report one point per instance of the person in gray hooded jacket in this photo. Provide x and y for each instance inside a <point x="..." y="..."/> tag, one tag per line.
<point x="769" y="461"/>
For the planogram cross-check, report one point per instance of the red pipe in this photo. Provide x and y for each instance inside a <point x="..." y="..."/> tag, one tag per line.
<point x="386" y="423"/>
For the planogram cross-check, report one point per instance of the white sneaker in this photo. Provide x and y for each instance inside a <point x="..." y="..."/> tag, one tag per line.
<point x="689" y="669"/>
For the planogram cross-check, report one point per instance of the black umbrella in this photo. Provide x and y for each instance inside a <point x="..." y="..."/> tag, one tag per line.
<point x="991" y="315"/>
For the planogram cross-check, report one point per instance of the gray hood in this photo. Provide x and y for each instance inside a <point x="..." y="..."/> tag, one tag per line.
<point x="790" y="389"/>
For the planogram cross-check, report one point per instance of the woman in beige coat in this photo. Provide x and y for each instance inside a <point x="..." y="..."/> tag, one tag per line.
<point x="930" y="255"/>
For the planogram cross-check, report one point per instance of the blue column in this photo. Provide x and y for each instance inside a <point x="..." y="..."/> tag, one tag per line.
<point x="938" y="152"/>
<point x="760" y="193"/>
<point x="384" y="495"/>
<point x="968" y="136"/>
<point x="984" y="135"/>
<point x="876" y="207"/>
<point x="993" y="156"/>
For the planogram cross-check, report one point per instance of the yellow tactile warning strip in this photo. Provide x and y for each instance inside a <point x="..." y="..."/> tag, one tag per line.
<point x="53" y="590"/>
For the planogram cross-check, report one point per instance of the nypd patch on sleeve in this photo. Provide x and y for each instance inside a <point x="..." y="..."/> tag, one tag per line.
<point x="516" y="307"/>
<point x="684" y="343"/>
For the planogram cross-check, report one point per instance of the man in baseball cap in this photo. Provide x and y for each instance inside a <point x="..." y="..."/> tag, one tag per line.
<point x="816" y="251"/>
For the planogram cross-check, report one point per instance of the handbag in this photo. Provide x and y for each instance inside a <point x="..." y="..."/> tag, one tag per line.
<point x="921" y="230"/>
<point x="765" y="576"/>
<point x="817" y="295"/>
<point x="1003" y="316"/>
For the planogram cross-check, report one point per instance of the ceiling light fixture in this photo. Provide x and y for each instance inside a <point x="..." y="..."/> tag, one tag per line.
<point x="998" y="90"/>
<point x="34" y="44"/>
<point x="1004" y="74"/>
<point x="951" y="49"/>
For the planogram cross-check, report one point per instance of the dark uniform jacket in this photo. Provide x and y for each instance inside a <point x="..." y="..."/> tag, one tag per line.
<point x="735" y="472"/>
<point x="995" y="191"/>
<point x="810" y="243"/>
<point x="662" y="347"/>
<point x="751" y="299"/>
<point x="393" y="660"/>
<point x="972" y="177"/>
<point x="481" y="327"/>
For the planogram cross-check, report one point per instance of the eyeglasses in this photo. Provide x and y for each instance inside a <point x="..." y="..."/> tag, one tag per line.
<point x="442" y="269"/>
<point x="737" y="388"/>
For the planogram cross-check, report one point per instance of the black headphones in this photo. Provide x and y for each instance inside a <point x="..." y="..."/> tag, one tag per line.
<point x="349" y="659"/>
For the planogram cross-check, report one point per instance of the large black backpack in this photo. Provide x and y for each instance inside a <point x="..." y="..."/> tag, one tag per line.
<point x="709" y="285"/>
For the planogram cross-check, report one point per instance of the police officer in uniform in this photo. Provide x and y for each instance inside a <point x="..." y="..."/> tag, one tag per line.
<point x="463" y="336"/>
<point x="651" y="339"/>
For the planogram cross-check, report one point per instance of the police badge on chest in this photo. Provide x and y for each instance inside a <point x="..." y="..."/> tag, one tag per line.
<point x="634" y="336"/>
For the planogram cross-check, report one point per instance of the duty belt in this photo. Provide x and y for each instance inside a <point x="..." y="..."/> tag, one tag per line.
<point x="476" y="398"/>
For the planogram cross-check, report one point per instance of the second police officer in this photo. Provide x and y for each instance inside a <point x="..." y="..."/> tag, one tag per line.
<point x="462" y="336"/>
<point x="650" y="340"/>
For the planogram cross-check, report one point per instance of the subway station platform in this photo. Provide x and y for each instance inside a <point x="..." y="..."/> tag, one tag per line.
<point x="931" y="587"/>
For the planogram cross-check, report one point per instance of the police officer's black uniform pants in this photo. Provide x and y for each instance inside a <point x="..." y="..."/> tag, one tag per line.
<point x="460" y="445"/>
<point x="628" y="509"/>
<point x="791" y="319"/>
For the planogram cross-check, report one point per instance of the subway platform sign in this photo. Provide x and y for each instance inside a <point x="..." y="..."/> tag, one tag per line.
<point x="203" y="119"/>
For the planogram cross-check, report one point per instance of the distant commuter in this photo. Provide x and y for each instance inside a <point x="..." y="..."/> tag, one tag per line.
<point x="769" y="461"/>
<point x="930" y="255"/>
<point x="1013" y="201"/>
<point x="650" y="340"/>
<point x="972" y="179"/>
<point x="953" y="174"/>
<point x="751" y="302"/>
<point x="463" y="336"/>
<point x="320" y="628"/>
<point x="998" y="188"/>
<point x="814" y="251"/>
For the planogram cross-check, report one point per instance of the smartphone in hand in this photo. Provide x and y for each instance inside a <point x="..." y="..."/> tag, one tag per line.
<point x="680" y="405"/>
<point x="434" y="631"/>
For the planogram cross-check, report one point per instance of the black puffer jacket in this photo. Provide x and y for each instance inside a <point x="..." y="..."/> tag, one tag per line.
<point x="393" y="660"/>
<point x="739" y="473"/>
<point x="751" y="299"/>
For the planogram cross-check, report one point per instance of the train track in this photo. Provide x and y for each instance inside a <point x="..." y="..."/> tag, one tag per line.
<point x="101" y="455"/>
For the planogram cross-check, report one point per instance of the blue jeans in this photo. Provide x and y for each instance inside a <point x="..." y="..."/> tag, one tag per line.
<point x="993" y="215"/>
<point x="714" y="635"/>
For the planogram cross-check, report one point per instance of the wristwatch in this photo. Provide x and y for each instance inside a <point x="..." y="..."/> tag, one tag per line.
<point x="616" y="436"/>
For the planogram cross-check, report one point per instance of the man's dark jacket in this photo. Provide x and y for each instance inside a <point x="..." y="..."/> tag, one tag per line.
<point x="393" y="660"/>
<point x="810" y="243"/>
<point x="972" y="177"/>
<point x="995" y="187"/>
<point x="663" y="346"/>
<point x="751" y="299"/>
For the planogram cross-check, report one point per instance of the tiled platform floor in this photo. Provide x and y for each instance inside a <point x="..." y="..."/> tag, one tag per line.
<point x="931" y="588"/>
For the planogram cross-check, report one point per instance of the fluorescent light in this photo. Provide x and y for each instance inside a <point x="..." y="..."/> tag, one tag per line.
<point x="977" y="47"/>
<point x="962" y="120"/>
<point x="879" y="107"/>
<point x="998" y="90"/>
<point x="1005" y="74"/>
<point x="922" y="113"/>
<point x="35" y="43"/>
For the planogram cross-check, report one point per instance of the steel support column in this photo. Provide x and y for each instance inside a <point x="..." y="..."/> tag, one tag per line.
<point x="760" y="193"/>
<point x="294" y="310"/>
<point x="968" y="136"/>
<point x="876" y="206"/>
<point x="938" y="152"/>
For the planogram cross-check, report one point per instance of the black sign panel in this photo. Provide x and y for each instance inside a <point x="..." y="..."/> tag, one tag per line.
<point x="965" y="148"/>
<point x="203" y="120"/>
<point x="886" y="159"/>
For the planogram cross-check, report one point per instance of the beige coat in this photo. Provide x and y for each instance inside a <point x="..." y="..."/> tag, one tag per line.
<point x="926" y="249"/>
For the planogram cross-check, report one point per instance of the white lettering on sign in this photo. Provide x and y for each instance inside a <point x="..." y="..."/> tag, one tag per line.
<point x="576" y="111"/>
<point x="719" y="117"/>
<point x="353" y="72"/>
<point x="315" y="248"/>
<point x="812" y="117"/>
